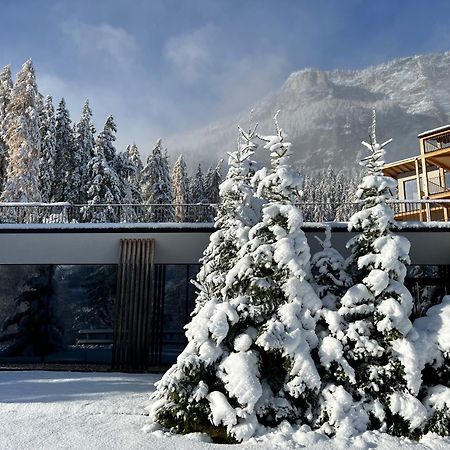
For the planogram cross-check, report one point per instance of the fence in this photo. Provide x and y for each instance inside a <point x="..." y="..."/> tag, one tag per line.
<point x="34" y="213"/>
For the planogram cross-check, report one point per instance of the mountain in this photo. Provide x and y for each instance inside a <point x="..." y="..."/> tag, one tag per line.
<point x="327" y="114"/>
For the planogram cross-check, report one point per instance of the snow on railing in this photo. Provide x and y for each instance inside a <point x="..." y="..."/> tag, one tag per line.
<point x="31" y="213"/>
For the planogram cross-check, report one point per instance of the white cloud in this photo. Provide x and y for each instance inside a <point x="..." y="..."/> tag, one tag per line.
<point x="114" y="42"/>
<point x="191" y="53"/>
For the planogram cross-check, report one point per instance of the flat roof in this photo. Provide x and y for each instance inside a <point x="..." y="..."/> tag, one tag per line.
<point x="433" y="131"/>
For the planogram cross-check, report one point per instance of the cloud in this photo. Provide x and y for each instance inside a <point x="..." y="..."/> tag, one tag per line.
<point x="190" y="54"/>
<point x="113" y="42"/>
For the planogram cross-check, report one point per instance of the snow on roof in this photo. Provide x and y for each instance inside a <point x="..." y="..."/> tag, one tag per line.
<point x="434" y="130"/>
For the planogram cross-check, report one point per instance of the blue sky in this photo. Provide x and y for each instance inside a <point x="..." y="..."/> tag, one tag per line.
<point x="165" y="66"/>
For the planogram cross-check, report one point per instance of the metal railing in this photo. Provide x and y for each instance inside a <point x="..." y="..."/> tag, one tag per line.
<point x="55" y="213"/>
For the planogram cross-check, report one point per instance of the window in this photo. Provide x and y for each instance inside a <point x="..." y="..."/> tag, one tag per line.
<point x="410" y="189"/>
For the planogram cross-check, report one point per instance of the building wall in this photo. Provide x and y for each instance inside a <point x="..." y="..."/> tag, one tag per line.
<point x="75" y="245"/>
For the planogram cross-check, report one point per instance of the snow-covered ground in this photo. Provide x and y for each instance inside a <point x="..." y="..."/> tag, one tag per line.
<point x="69" y="410"/>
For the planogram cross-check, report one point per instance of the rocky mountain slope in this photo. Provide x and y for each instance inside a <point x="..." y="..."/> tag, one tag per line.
<point x="326" y="114"/>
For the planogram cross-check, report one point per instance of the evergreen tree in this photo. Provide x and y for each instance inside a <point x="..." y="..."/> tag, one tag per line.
<point x="23" y="139"/>
<point x="34" y="330"/>
<point x="212" y="183"/>
<point x="131" y="194"/>
<point x="84" y="144"/>
<point x="248" y="359"/>
<point x="104" y="186"/>
<point x="369" y="358"/>
<point x="135" y="159"/>
<point x="64" y="158"/>
<point x="180" y="189"/>
<point x="180" y="401"/>
<point x="157" y="186"/>
<point x="197" y="197"/>
<point x="48" y="143"/>
<point x="6" y="86"/>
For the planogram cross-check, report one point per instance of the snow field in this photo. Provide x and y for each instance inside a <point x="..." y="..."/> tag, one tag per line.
<point x="69" y="410"/>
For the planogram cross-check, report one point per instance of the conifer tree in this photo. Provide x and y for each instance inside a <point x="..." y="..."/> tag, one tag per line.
<point x="370" y="356"/>
<point x="248" y="361"/>
<point x="197" y="196"/>
<point x="64" y="149"/>
<point x="84" y="145"/>
<point x="6" y="86"/>
<point x="180" y="401"/>
<point x="34" y="330"/>
<point x="212" y="183"/>
<point x="135" y="159"/>
<point x="104" y="186"/>
<point x="157" y="186"/>
<point x="180" y="189"/>
<point x="131" y="194"/>
<point x="23" y="139"/>
<point x="48" y="142"/>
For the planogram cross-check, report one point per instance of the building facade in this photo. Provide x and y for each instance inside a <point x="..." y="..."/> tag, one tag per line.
<point x="122" y="293"/>
<point x="424" y="180"/>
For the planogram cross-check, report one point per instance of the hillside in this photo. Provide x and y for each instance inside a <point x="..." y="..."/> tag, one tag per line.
<point x="326" y="114"/>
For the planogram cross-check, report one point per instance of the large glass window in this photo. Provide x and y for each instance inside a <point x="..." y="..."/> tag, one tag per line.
<point x="51" y="313"/>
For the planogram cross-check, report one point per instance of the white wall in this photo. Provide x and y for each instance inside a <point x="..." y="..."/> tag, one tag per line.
<point x="74" y="245"/>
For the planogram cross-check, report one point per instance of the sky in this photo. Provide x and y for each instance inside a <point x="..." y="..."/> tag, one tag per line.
<point x="162" y="67"/>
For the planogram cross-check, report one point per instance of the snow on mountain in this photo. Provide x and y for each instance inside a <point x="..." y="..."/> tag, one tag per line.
<point x="326" y="114"/>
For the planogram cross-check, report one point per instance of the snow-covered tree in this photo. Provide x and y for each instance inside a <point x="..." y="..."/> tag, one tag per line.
<point x="433" y="351"/>
<point x="104" y="186"/>
<point x="6" y="86"/>
<point x="212" y="183"/>
<point x="23" y="139"/>
<point x="180" y="189"/>
<point x="197" y="196"/>
<point x="34" y="329"/>
<point x="328" y="267"/>
<point x="84" y="145"/>
<point x="368" y="354"/>
<point x="131" y="193"/>
<point x="157" y="186"/>
<point x="135" y="159"/>
<point x="64" y="149"/>
<point x="248" y="361"/>
<point x="48" y="142"/>
<point x="180" y="401"/>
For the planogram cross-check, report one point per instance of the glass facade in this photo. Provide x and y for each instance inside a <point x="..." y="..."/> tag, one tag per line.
<point x="65" y="313"/>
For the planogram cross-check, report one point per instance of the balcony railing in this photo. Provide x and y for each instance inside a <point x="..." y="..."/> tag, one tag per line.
<point x="437" y="143"/>
<point x="435" y="186"/>
<point x="55" y="213"/>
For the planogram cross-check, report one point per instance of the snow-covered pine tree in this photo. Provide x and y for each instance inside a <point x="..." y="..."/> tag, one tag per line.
<point x="135" y="159"/>
<point x="84" y="144"/>
<point x="433" y="350"/>
<point x="157" y="186"/>
<point x="23" y="139"/>
<point x="34" y="330"/>
<point x="104" y="186"/>
<point x="374" y="380"/>
<point x="180" y="189"/>
<point x="6" y="86"/>
<point x="212" y="183"/>
<point x="197" y="196"/>
<point x="329" y="269"/>
<point x="131" y="194"/>
<point x="48" y="142"/>
<point x="180" y="402"/>
<point x="64" y="149"/>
